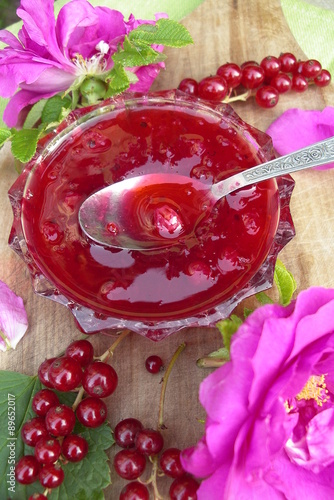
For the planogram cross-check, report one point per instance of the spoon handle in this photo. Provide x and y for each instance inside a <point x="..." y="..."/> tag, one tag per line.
<point x="317" y="154"/>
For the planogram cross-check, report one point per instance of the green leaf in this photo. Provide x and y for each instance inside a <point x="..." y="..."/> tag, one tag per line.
<point x="136" y="54"/>
<point x="285" y="283"/>
<point x="223" y="353"/>
<point x="24" y="144"/>
<point x="117" y="80"/>
<point x="263" y="298"/>
<point x="5" y="134"/>
<point x="84" y="480"/>
<point x="165" y="32"/>
<point x="227" y="328"/>
<point x="34" y="114"/>
<point x="53" y="110"/>
<point x="312" y="27"/>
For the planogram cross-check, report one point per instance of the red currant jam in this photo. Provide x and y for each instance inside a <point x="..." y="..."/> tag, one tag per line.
<point x="226" y="249"/>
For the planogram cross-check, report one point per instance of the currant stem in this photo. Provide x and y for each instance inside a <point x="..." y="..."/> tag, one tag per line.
<point x="109" y="352"/>
<point x="240" y="97"/>
<point x="208" y="362"/>
<point x="164" y="383"/>
<point x="78" y="398"/>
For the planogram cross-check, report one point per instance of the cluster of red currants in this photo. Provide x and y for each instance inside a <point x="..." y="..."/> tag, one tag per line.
<point x="51" y="431"/>
<point x="138" y="444"/>
<point x="267" y="80"/>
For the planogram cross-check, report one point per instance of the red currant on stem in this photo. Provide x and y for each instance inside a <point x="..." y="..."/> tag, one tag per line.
<point x="189" y="86"/>
<point x="134" y="491"/>
<point x="232" y="74"/>
<point x="74" y="448"/>
<point x="43" y="400"/>
<point x="82" y="351"/>
<point x="299" y="83"/>
<point x="60" y="420"/>
<point x="149" y="442"/>
<point x="99" y="379"/>
<point x="252" y="76"/>
<point x="47" y="450"/>
<point x="37" y="496"/>
<point x="271" y="66"/>
<point x="43" y="372"/>
<point x="65" y="374"/>
<point x="213" y="88"/>
<point x="129" y="464"/>
<point x="281" y="82"/>
<point x="267" y="97"/>
<point x="323" y="79"/>
<point x="170" y="463"/>
<point x="183" y="488"/>
<point x="125" y="432"/>
<point x="51" y="476"/>
<point x="91" y="412"/>
<point x="33" y="430"/>
<point x="27" y="470"/>
<point x="311" y="68"/>
<point x="288" y="62"/>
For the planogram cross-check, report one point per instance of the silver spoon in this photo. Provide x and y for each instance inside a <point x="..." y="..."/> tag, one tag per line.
<point x="158" y="210"/>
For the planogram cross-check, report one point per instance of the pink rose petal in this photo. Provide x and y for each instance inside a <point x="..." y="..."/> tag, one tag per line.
<point x="13" y="318"/>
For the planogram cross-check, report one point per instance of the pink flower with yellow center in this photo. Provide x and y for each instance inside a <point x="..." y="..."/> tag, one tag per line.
<point x="270" y="410"/>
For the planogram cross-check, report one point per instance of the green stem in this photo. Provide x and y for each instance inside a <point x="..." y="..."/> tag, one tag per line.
<point x="164" y="383"/>
<point x="109" y="352"/>
<point x="78" y="398"/>
<point x="208" y="362"/>
<point x="240" y="97"/>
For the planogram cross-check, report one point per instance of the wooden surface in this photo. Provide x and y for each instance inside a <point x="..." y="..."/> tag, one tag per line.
<point x="223" y="30"/>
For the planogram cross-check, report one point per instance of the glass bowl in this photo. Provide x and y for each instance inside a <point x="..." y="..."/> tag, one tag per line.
<point x="230" y="256"/>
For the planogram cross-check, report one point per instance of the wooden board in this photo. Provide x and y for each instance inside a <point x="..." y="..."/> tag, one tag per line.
<point x="223" y="30"/>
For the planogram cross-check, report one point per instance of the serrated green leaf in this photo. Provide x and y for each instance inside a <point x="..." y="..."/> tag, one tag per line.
<point x="117" y="80"/>
<point x="227" y="328"/>
<point x="165" y="32"/>
<point x="54" y="107"/>
<point x="136" y="54"/>
<point x="5" y="134"/>
<point x="24" y="144"/>
<point x="285" y="283"/>
<point x="84" y="480"/>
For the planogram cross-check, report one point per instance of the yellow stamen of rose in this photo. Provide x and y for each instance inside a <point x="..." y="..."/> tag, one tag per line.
<point x="96" y="64"/>
<point x="315" y="388"/>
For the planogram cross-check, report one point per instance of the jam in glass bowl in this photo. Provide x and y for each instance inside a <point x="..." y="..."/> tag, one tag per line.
<point x="230" y="255"/>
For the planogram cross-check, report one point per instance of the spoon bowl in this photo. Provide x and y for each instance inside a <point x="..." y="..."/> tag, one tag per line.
<point x="157" y="210"/>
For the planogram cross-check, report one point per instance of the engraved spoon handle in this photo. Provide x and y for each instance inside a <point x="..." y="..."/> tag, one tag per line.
<point x="319" y="153"/>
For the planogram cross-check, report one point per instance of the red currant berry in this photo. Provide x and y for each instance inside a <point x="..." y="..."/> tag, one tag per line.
<point x="252" y="76"/>
<point x="91" y="412"/>
<point x="27" y="470"/>
<point x="323" y="79"/>
<point x="60" y="420"/>
<point x="213" y="88"/>
<point x="189" y="86"/>
<point x="74" y="448"/>
<point x="47" y="450"/>
<point x="134" y="491"/>
<point x="311" y="68"/>
<point x="232" y="74"/>
<point x="266" y="97"/>
<point x="125" y="432"/>
<point x="298" y="68"/>
<point x="271" y="66"/>
<point x="43" y="372"/>
<point x="129" y="464"/>
<point x="154" y="364"/>
<point x="82" y="351"/>
<point x="149" y="442"/>
<point x="183" y="488"/>
<point x="33" y="430"/>
<point x="43" y="401"/>
<point x="51" y="476"/>
<point x="288" y="62"/>
<point x="170" y="463"/>
<point x="37" y="496"/>
<point x="65" y="374"/>
<point x="281" y="82"/>
<point x="299" y="83"/>
<point x="99" y="379"/>
<point x="249" y="63"/>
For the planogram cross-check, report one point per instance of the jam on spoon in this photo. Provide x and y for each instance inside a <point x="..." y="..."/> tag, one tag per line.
<point x="157" y="210"/>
